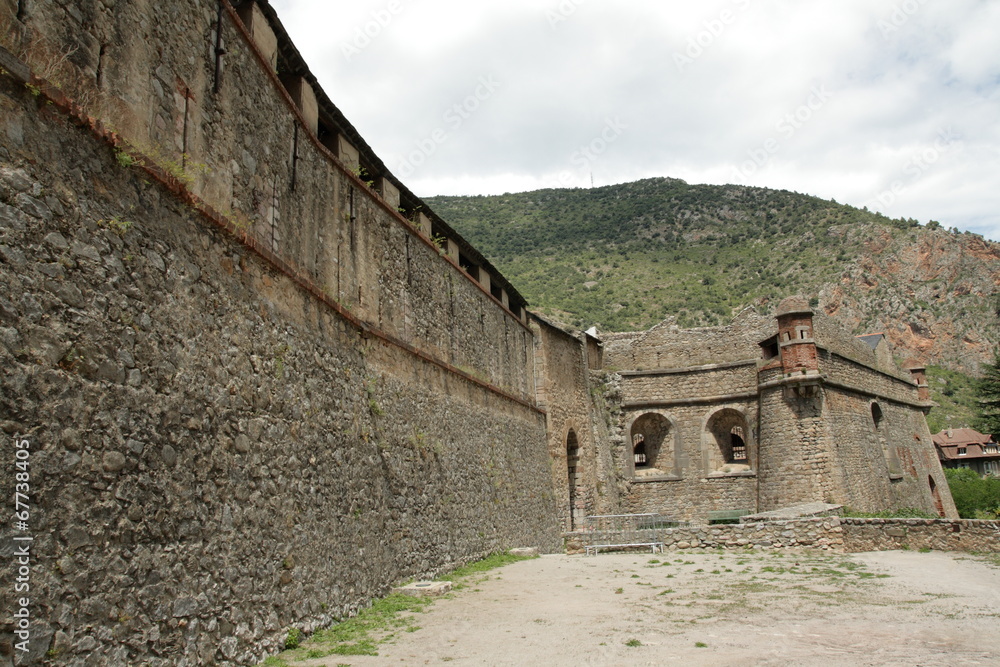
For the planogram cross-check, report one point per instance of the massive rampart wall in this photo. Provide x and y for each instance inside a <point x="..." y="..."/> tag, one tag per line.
<point x="885" y="455"/>
<point x="246" y="132"/>
<point x="223" y="444"/>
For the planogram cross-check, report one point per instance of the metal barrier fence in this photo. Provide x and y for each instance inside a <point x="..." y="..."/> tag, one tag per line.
<point x="629" y="522"/>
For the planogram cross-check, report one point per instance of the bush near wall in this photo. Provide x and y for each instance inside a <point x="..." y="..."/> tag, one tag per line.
<point x="975" y="497"/>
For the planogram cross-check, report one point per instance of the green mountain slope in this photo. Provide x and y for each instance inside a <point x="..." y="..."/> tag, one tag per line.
<point x="625" y="257"/>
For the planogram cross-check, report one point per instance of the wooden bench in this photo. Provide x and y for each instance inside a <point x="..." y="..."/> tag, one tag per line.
<point x="594" y="549"/>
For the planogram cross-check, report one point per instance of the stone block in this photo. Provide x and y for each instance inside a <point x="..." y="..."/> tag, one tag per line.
<point x="347" y="153"/>
<point x="524" y="552"/>
<point x="305" y="99"/>
<point x="10" y="63"/>
<point x="263" y="36"/>
<point x="424" y="588"/>
<point x="390" y="193"/>
<point x="424" y="224"/>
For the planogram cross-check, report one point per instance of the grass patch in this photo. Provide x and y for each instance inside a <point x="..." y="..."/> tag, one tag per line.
<point x="362" y="634"/>
<point x="988" y="558"/>
<point x="491" y="562"/>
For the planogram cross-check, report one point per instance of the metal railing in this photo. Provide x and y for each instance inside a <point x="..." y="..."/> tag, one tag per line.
<point x="628" y="522"/>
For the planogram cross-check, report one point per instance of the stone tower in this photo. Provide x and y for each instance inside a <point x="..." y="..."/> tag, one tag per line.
<point x="797" y="346"/>
<point x="795" y="466"/>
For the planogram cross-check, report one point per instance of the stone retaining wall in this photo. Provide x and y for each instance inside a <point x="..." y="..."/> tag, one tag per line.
<point x="937" y="534"/>
<point x="823" y="533"/>
<point x="826" y="533"/>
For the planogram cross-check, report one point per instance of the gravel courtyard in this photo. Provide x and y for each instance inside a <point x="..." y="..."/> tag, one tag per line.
<point x="760" y="608"/>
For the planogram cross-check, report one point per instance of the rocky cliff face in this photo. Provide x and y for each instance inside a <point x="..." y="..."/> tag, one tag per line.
<point x="935" y="294"/>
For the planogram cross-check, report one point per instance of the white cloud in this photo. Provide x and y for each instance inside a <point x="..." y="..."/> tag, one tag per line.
<point x="897" y="73"/>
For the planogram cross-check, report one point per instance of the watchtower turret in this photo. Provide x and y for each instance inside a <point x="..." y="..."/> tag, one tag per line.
<point x="795" y="337"/>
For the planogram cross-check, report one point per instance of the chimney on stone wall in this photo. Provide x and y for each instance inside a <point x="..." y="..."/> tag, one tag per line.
<point x="919" y="374"/>
<point x="795" y="337"/>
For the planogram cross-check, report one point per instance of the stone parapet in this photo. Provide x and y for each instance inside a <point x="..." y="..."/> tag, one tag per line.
<point x="937" y="534"/>
<point x="825" y="533"/>
<point x="822" y="533"/>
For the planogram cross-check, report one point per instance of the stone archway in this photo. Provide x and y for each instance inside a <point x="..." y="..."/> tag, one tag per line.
<point x="728" y="442"/>
<point x="651" y="443"/>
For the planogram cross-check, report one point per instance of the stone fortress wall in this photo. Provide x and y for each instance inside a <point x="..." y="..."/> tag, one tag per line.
<point x="822" y="417"/>
<point x="263" y="382"/>
<point x="257" y="393"/>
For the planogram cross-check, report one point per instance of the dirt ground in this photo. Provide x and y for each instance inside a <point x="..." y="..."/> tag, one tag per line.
<point x="761" y="608"/>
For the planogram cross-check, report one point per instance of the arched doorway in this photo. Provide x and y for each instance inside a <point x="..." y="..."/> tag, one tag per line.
<point x="574" y="479"/>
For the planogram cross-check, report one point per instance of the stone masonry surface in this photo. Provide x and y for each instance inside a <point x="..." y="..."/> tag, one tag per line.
<point x="263" y="382"/>
<point x="222" y="456"/>
<point x="828" y="533"/>
<point x="822" y="416"/>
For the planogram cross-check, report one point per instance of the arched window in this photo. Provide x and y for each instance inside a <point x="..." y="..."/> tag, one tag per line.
<point x="652" y="443"/>
<point x="727" y="442"/>
<point x="639" y="450"/>
<point x="738" y="446"/>
<point x="936" y="497"/>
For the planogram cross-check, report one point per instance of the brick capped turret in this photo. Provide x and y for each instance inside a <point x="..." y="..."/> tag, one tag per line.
<point x="795" y="337"/>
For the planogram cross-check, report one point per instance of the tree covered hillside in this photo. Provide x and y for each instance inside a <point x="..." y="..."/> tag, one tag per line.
<point x="624" y="257"/>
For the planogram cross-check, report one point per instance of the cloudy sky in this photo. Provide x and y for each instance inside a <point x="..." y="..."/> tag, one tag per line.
<point x="889" y="104"/>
